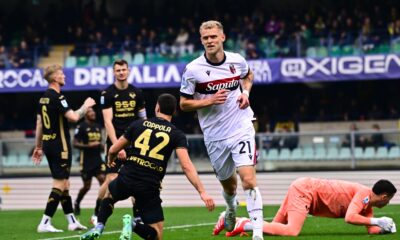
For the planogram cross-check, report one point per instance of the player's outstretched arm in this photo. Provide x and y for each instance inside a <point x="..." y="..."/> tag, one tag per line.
<point x="191" y="174"/>
<point x="189" y="104"/>
<point x="374" y="225"/>
<point x="38" y="152"/>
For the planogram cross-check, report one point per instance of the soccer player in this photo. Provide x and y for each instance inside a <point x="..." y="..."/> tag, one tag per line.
<point x="141" y="175"/>
<point x="325" y="198"/>
<point x="88" y="140"/>
<point x="52" y="138"/>
<point x="121" y="104"/>
<point x="217" y="85"/>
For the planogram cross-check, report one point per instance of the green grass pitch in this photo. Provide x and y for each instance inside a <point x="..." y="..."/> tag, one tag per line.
<point x="185" y="223"/>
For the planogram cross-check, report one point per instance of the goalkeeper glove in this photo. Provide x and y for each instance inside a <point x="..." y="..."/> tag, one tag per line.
<point x="385" y="223"/>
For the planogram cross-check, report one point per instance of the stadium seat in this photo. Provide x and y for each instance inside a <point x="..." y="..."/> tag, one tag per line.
<point x="348" y="50"/>
<point x="335" y="51"/>
<point x="382" y="153"/>
<point x="6" y="162"/>
<point x="384" y="48"/>
<point x="311" y="52"/>
<point x="358" y="153"/>
<point x="396" y="47"/>
<point x="116" y="57"/>
<point x="82" y="61"/>
<point x="93" y="61"/>
<point x="320" y="154"/>
<point x="11" y="160"/>
<point x="394" y="152"/>
<point x="70" y="62"/>
<point x="229" y="44"/>
<point x="322" y="52"/>
<point x="264" y="154"/>
<point x="263" y="44"/>
<point x="296" y="154"/>
<point x="138" y="59"/>
<point x="308" y="154"/>
<point x="369" y="153"/>
<point x="344" y="153"/>
<point x="104" y="61"/>
<point x="127" y="56"/>
<point x="284" y="154"/>
<point x="332" y="154"/>
<point x="272" y="155"/>
<point x="24" y="161"/>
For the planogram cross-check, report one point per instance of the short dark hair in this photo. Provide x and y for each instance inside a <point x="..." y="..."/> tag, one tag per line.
<point x="167" y="103"/>
<point x="384" y="186"/>
<point x="120" y="62"/>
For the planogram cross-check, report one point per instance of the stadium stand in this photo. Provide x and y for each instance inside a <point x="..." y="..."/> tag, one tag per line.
<point x="306" y="29"/>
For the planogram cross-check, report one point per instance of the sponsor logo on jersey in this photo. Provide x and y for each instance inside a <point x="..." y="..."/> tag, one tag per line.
<point x="232" y="68"/>
<point x="365" y="200"/>
<point x="132" y="95"/>
<point x="102" y="100"/>
<point x="64" y="103"/>
<point x="208" y="72"/>
<point x="214" y="86"/>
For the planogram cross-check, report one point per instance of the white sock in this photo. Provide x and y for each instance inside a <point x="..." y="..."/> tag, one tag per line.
<point x="248" y="227"/>
<point x="45" y="220"/>
<point x="71" y="218"/>
<point x="255" y="210"/>
<point x="230" y="200"/>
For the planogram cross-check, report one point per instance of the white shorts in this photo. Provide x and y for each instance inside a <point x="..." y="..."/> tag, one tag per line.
<point x="228" y="154"/>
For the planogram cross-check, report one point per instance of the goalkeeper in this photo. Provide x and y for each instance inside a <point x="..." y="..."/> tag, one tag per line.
<point x="325" y="198"/>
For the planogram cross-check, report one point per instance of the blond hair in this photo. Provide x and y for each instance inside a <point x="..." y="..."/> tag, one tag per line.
<point x="211" y="24"/>
<point x="49" y="70"/>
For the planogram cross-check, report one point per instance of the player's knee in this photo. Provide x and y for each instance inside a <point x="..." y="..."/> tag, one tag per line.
<point x="248" y="182"/>
<point x="145" y="231"/>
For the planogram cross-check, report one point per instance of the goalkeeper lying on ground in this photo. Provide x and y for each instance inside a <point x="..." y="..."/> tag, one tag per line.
<point x="325" y="198"/>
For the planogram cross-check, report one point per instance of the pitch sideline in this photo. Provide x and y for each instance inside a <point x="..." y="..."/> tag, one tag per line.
<point x="166" y="228"/>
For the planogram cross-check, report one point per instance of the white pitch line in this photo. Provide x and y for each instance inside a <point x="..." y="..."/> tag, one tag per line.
<point x="171" y="227"/>
<point x="166" y="228"/>
<point x="113" y="232"/>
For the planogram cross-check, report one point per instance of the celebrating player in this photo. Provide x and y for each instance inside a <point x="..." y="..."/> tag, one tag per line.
<point x="218" y="85"/>
<point x="325" y="198"/>
<point x="52" y="138"/>
<point x="88" y="140"/>
<point x="140" y="176"/>
<point x="121" y="104"/>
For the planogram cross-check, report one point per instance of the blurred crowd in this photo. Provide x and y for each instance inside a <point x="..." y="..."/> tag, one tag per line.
<point x="256" y="32"/>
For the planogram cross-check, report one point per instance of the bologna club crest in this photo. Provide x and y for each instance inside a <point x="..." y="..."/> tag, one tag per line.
<point x="232" y="68"/>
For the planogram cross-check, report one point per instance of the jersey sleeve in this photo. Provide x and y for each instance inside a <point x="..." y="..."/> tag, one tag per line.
<point x="135" y="126"/>
<point x="79" y="133"/>
<point x="372" y="229"/>
<point x="188" y="84"/>
<point x="62" y="104"/>
<point x="243" y="66"/>
<point x="128" y="134"/>
<point x="140" y="103"/>
<point x="181" y="141"/>
<point x="357" y="212"/>
<point x="105" y="100"/>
